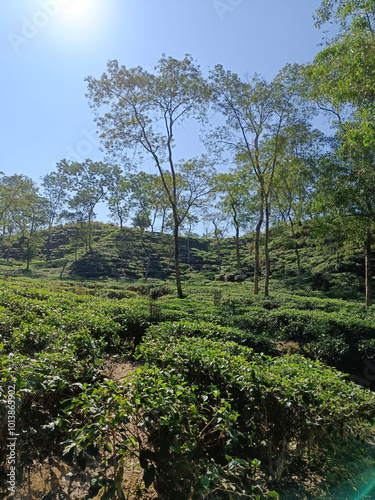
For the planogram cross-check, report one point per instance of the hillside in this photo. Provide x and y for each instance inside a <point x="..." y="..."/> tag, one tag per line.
<point x="129" y="254"/>
<point x="125" y="391"/>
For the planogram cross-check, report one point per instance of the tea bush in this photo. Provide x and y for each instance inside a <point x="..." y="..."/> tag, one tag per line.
<point x="190" y="431"/>
<point x="42" y="384"/>
<point x="173" y="428"/>
<point x="285" y="405"/>
<point x="208" y="330"/>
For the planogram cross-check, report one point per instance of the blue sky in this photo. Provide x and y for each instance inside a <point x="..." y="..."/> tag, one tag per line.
<point x="48" y="47"/>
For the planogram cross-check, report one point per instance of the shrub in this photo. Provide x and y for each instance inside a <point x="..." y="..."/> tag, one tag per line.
<point x="285" y="405"/>
<point x="208" y="330"/>
<point x="41" y="384"/>
<point x="176" y="431"/>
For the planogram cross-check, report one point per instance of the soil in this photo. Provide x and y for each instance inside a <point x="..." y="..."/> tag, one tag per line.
<point x="287" y="347"/>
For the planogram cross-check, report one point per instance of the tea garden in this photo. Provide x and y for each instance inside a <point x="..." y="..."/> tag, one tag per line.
<point x="235" y="396"/>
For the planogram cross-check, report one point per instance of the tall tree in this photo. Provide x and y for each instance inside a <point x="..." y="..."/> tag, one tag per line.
<point x="13" y="190"/>
<point x="215" y="217"/>
<point x="344" y="194"/>
<point x="28" y="214"/>
<point x="341" y="78"/>
<point x="146" y="201"/>
<point x="260" y="118"/>
<point x="22" y="212"/>
<point x="142" y="112"/>
<point x="119" y="199"/>
<point x="295" y="180"/>
<point x="55" y="193"/>
<point x="54" y="190"/>
<point x="343" y="73"/>
<point x="147" y="197"/>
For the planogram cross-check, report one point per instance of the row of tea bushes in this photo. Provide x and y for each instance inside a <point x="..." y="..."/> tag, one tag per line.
<point x="341" y="338"/>
<point x="43" y="383"/>
<point x="281" y="411"/>
<point x="260" y="343"/>
<point x="339" y="333"/>
<point x="336" y="332"/>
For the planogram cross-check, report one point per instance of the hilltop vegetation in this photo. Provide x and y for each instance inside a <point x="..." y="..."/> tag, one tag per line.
<point x="134" y="254"/>
<point x="275" y="167"/>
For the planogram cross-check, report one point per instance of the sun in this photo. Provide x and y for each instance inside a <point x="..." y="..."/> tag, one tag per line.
<point x="77" y="9"/>
<point x="81" y="23"/>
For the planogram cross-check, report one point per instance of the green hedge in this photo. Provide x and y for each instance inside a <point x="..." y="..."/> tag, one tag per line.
<point x="285" y="405"/>
<point x="208" y="330"/>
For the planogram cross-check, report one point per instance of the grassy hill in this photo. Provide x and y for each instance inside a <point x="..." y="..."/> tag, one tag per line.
<point x="129" y="254"/>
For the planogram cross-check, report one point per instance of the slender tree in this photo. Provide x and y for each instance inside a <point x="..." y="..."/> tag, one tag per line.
<point x="119" y="199"/>
<point x="55" y="193"/>
<point x="142" y="113"/>
<point x="233" y="200"/>
<point x="28" y="215"/>
<point x="341" y="81"/>
<point x="295" y="180"/>
<point x="146" y="200"/>
<point x="260" y="118"/>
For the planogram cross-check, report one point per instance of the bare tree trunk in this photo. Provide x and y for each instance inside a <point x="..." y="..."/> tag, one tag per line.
<point x="267" y="252"/>
<point x="238" y="254"/>
<point x="218" y="243"/>
<point x="237" y="236"/>
<point x="177" y="259"/>
<point x="163" y="221"/>
<point x="149" y="254"/>
<point x="257" y="245"/>
<point x="63" y="269"/>
<point x="48" y="243"/>
<point x="90" y="232"/>
<point x="368" y="268"/>
<point x="294" y="234"/>
<point x="148" y="263"/>
<point x="188" y="248"/>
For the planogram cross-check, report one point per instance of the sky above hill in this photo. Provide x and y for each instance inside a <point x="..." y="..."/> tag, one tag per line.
<point x="48" y="47"/>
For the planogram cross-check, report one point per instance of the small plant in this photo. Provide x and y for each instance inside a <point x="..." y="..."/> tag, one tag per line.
<point x="99" y="415"/>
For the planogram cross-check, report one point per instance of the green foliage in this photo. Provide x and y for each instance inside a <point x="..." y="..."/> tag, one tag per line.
<point x="98" y="415"/>
<point x="174" y="428"/>
<point x="208" y="330"/>
<point x="327" y="265"/>
<point x="186" y="425"/>
<point x="214" y="415"/>
<point x="284" y="406"/>
<point x="93" y="265"/>
<point x="42" y="383"/>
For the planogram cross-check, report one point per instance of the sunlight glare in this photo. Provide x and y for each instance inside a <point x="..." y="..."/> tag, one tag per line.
<point x="77" y="8"/>
<point x="81" y="22"/>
